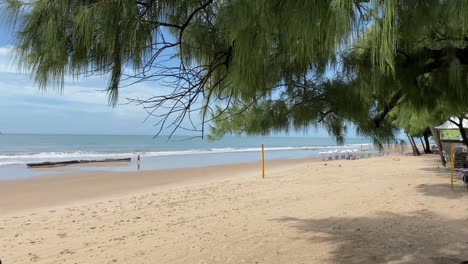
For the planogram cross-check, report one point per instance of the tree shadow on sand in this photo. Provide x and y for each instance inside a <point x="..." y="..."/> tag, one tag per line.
<point x="418" y="237"/>
<point x="443" y="190"/>
<point x="441" y="171"/>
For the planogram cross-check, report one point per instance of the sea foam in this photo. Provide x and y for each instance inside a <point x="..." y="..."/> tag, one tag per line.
<point x="23" y="158"/>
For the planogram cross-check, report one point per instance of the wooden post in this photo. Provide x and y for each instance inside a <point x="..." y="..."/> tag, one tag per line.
<point x="452" y="162"/>
<point x="263" y="162"/>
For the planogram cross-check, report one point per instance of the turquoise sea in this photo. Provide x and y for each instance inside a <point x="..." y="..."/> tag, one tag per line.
<point x="162" y="152"/>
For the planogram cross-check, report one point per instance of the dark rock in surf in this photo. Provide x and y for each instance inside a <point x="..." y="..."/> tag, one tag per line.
<point x="70" y="162"/>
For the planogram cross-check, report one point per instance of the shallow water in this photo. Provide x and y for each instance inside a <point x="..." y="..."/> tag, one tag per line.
<point x="158" y="154"/>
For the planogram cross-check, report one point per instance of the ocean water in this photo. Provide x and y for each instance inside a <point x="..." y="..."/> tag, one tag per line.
<point x="162" y="152"/>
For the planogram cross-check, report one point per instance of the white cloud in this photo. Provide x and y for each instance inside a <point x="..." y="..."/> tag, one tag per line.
<point x="7" y="63"/>
<point x="6" y="50"/>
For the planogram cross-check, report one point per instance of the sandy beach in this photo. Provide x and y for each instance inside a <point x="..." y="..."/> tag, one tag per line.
<point x="392" y="209"/>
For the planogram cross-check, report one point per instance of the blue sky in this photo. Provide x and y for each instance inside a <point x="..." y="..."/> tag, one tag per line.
<point x="81" y="108"/>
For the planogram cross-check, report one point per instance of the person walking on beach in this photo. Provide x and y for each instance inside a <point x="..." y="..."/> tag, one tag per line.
<point x="138" y="164"/>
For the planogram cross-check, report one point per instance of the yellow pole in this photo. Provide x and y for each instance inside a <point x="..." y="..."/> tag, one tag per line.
<point x="263" y="162"/>
<point x="452" y="163"/>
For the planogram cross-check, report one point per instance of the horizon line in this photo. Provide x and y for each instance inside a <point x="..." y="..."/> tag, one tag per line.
<point x="195" y="136"/>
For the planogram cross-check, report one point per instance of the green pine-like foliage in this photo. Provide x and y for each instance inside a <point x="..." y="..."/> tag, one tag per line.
<point x="262" y="65"/>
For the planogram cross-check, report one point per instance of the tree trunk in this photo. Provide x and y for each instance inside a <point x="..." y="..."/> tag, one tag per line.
<point x="426" y="140"/>
<point x="436" y="135"/>
<point x="413" y="145"/>
<point x="423" y="146"/>
<point x="416" y="148"/>
<point x="463" y="134"/>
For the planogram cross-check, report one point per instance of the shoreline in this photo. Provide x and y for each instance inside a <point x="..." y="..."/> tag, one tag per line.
<point x="64" y="186"/>
<point x="164" y="163"/>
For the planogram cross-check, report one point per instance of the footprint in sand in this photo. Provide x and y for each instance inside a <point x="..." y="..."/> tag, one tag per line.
<point x="32" y="257"/>
<point x="66" y="251"/>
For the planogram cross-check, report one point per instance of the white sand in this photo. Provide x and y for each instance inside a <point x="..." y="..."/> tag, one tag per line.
<point x="393" y="209"/>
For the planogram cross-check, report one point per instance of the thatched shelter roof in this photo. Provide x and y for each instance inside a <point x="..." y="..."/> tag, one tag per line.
<point x="450" y="125"/>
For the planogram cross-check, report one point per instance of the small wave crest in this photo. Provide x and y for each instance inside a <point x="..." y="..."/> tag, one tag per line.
<point x="11" y="163"/>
